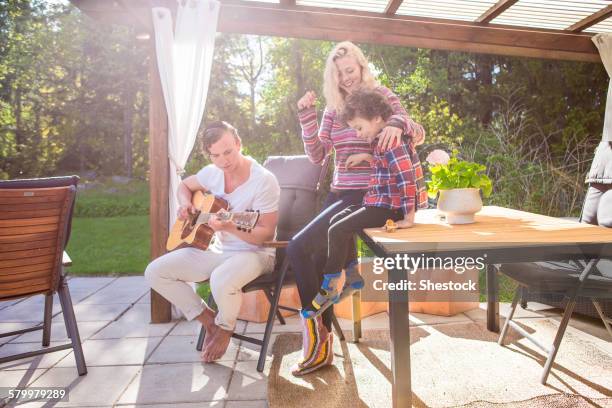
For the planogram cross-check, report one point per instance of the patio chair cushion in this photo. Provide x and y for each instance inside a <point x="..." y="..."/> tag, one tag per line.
<point x="555" y="277"/>
<point x="298" y="178"/>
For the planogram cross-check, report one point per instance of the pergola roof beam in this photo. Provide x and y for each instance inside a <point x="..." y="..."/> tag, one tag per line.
<point x="496" y="10"/>
<point x="392" y="7"/>
<point x="591" y="20"/>
<point x="319" y="23"/>
<point x="336" y="25"/>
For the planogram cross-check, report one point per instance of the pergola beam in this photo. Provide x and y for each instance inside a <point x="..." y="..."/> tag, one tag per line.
<point x="337" y="25"/>
<point x="591" y="20"/>
<point x="392" y="7"/>
<point x="496" y="10"/>
<point x="318" y="23"/>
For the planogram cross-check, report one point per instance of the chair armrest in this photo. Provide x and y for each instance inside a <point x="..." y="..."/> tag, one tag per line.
<point x="275" y="244"/>
<point x="66" y="261"/>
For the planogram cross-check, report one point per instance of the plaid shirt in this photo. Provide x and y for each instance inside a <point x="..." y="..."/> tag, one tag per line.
<point x="397" y="179"/>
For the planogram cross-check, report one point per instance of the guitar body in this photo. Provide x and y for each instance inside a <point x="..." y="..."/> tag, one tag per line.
<point x="189" y="234"/>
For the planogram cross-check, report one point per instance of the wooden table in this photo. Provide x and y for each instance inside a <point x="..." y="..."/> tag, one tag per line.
<point x="499" y="235"/>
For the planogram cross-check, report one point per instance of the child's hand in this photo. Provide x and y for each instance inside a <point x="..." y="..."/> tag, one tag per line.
<point x="407" y="222"/>
<point x="404" y="224"/>
<point x="307" y="100"/>
<point x="354" y="159"/>
<point x="390" y="137"/>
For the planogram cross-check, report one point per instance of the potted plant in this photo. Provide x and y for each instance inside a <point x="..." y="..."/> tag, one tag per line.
<point x="458" y="182"/>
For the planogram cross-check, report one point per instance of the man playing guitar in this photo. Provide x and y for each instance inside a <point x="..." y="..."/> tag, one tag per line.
<point x="236" y="257"/>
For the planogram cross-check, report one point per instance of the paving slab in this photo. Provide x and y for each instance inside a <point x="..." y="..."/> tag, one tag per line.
<point x="42" y="361"/>
<point x="58" y="332"/>
<point x="7" y="303"/>
<point x="98" y="313"/>
<point x="12" y="326"/>
<point x="203" y="404"/>
<point x="249" y="351"/>
<point x="22" y="312"/>
<point x="102" y="386"/>
<point x="247" y="404"/>
<point x="135" y="323"/>
<point x="115" y="352"/>
<point x="127" y="289"/>
<point x="247" y="383"/>
<point x="179" y="383"/>
<point x="182" y="349"/>
<point x="16" y="378"/>
<point x="90" y="283"/>
<point x="39" y="301"/>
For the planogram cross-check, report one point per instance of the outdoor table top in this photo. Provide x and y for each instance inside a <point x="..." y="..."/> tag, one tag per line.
<point x="494" y="227"/>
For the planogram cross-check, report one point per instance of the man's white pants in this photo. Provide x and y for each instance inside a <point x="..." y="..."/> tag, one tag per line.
<point x="170" y="275"/>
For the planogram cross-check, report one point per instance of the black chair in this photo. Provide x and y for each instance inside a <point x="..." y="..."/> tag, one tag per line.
<point x="571" y="280"/>
<point x="299" y="180"/>
<point x="35" y="221"/>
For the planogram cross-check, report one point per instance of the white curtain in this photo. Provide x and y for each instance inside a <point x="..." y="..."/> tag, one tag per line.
<point x="604" y="45"/>
<point x="184" y="57"/>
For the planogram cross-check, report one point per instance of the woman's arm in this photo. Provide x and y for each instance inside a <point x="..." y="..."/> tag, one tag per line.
<point x="317" y="140"/>
<point x="399" y="120"/>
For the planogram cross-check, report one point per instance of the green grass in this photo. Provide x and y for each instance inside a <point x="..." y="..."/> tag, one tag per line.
<point x="109" y="245"/>
<point x="108" y="199"/>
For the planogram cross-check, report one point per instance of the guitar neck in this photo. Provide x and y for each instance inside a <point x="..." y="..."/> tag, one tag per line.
<point x="204" y="217"/>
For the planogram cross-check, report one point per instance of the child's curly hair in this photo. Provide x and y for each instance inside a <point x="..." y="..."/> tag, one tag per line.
<point x="367" y="104"/>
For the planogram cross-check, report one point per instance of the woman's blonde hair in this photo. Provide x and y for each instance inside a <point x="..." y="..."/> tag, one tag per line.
<point x="334" y="95"/>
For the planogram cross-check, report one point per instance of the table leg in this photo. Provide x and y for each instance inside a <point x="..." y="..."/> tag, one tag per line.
<point x="492" y="299"/>
<point x="400" y="342"/>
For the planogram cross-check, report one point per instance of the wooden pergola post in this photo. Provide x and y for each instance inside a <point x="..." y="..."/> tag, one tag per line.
<point x="159" y="179"/>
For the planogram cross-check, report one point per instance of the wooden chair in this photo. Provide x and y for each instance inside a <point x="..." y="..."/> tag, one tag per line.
<point x="35" y="218"/>
<point x="299" y="180"/>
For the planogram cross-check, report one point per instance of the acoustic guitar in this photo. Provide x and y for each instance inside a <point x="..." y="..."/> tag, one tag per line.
<point x="195" y="232"/>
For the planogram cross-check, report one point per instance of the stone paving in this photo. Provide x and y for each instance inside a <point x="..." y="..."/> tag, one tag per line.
<point x="134" y="363"/>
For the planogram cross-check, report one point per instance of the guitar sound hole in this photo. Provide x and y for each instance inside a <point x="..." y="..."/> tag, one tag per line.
<point x="194" y="219"/>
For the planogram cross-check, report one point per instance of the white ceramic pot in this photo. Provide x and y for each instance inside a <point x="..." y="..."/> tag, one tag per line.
<point x="460" y="204"/>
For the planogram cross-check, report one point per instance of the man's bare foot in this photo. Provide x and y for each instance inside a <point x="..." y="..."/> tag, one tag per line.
<point x="207" y="319"/>
<point x="208" y="336"/>
<point x="218" y="345"/>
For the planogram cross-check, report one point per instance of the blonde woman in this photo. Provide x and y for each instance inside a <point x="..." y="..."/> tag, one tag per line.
<point x="346" y="70"/>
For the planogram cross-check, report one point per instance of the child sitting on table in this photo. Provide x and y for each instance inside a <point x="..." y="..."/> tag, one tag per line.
<point x="395" y="191"/>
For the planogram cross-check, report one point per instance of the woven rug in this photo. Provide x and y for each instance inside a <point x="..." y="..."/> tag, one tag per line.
<point x="452" y="365"/>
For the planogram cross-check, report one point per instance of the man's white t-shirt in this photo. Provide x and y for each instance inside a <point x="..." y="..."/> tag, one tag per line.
<point x="260" y="192"/>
